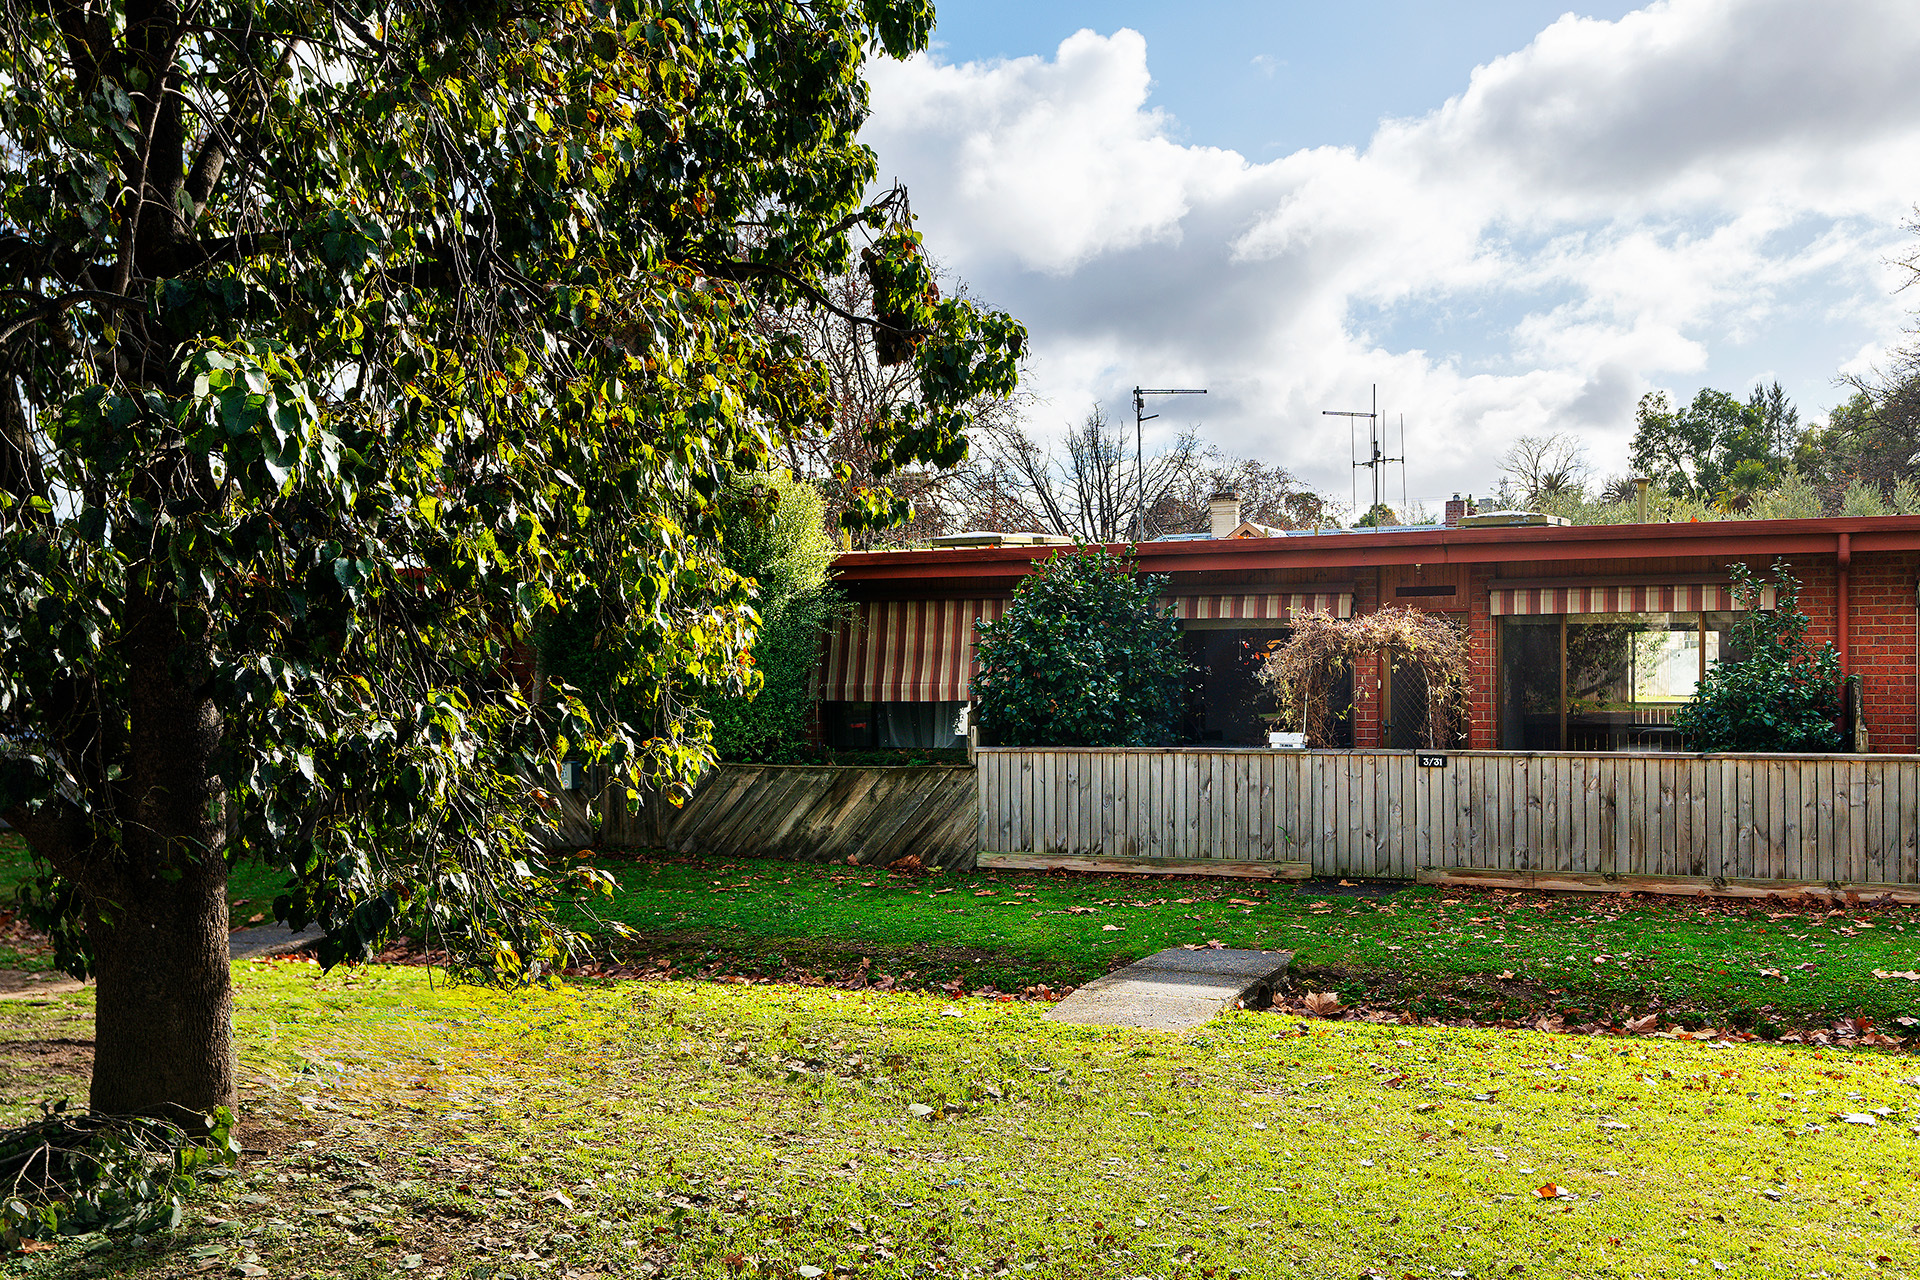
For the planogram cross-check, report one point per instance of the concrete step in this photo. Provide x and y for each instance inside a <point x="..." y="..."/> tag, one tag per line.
<point x="1175" y="990"/>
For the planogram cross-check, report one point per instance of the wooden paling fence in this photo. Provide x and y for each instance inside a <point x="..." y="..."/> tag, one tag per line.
<point x="813" y="813"/>
<point x="1528" y="817"/>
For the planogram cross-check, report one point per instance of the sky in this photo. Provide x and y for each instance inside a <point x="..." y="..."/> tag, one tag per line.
<point x="1511" y="217"/>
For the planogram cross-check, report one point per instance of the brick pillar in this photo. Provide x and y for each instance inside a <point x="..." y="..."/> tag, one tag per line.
<point x="1367" y="673"/>
<point x="1480" y="629"/>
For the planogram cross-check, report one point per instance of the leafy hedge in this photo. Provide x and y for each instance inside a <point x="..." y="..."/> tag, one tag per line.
<point x="1083" y="657"/>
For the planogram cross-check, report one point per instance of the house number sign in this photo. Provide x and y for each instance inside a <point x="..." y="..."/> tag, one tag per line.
<point x="1432" y="760"/>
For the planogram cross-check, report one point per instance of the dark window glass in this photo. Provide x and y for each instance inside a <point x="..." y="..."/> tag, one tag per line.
<point x="1529" y="684"/>
<point x="850" y="725"/>
<point x="1226" y="703"/>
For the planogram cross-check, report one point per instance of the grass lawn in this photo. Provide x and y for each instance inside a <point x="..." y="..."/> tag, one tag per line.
<point x="1438" y="953"/>
<point x="706" y="1130"/>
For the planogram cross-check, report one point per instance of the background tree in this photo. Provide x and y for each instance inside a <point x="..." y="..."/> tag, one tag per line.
<point x="1269" y="495"/>
<point x="1544" y="469"/>
<point x="1779" y="420"/>
<point x="773" y="534"/>
<point x="339" y="344"/>
<point x="1088" y="486"/>
<point x="1774" y="691"/>
<point x="1083" y="656"/>
<point x="860" y="392"/>
<point x="1698" y="450"/>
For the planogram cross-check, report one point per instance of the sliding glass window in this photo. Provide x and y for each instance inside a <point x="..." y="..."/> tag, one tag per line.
<point x="1603" y="681"/>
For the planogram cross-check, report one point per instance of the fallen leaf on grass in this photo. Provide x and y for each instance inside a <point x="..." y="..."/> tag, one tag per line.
<point x="1323" y="1004"/>
<point x="1859" y="1117"/>
<point x="1910" y="975"/>
<point x="1551" y="1192"/>
<point x="1110" y="928"/>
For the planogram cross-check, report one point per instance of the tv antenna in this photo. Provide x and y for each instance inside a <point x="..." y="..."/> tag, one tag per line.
<point x="1376" y="449"/>
<point x="1140" y="418"/>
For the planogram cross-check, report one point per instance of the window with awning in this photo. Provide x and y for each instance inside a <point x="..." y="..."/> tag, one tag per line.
<point x="923" y="650"/>
<point x="1586" y="666"/>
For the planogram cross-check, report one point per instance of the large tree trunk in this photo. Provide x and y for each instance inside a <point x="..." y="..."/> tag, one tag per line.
<point x="163" y="1033"/>
<point x="163" y="1028"/>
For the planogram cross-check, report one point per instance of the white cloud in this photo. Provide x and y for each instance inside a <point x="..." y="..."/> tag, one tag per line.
<point x="1617" y="205"/>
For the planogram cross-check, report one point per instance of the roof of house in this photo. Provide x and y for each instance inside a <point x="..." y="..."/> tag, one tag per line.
<point x="1420" y="544"/>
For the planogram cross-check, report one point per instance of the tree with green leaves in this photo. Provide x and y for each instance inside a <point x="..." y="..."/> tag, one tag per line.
<point x="1774" y="691"/>
<point x="776" y="538"/>
<point x="1084" y="656"/>
<point x="1714" y="447"/>
<point x="338" y="346"/>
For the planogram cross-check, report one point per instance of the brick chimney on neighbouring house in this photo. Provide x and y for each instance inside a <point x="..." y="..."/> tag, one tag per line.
<point x="1456" y="508"/>
<point x="1223" y="514"/>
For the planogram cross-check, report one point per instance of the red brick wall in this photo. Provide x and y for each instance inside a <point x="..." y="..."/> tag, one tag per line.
<point x="1480" y="734"/>
<point x="1882" y="644"/>
<point x="1367" y="676"/>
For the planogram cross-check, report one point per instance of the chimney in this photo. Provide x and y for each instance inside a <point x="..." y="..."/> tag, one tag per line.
<point x="1223" y="513"/>
<point x="1456" y="508"/>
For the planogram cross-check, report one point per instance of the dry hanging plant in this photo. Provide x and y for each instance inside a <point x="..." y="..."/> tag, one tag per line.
<point x="1303" y="671"/>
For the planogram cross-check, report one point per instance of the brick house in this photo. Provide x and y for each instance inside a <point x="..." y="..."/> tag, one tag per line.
<point x="1583" y="637"/>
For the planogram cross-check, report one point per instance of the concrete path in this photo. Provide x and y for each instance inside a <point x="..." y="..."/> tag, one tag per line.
<point x="1175" y="989"/>
<point x="271" y="940"/>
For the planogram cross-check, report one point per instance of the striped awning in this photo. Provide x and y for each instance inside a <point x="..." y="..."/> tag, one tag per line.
<point x="1694" y="597"/>
<point x="1267" y="607"/>
<point x="922" y="650"/>
<point x="905" y="651"/>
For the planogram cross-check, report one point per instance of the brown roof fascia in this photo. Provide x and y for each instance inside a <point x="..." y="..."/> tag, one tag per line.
<point x="1724" y="538"/>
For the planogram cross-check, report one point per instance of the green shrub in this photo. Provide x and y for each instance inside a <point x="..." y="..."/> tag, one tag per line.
<point x="776" y="534"/>
<point x="1083" y="657"/>
<point x="1775" y="692"/>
